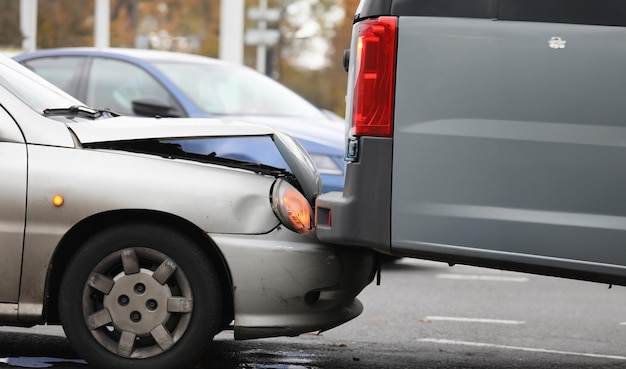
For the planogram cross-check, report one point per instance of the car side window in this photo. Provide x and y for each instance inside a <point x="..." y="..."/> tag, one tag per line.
<point x="61" y="71"/>
<point x="115" y="84"/>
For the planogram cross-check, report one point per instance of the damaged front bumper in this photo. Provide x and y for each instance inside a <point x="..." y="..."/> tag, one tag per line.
<point x="285" y="284"/>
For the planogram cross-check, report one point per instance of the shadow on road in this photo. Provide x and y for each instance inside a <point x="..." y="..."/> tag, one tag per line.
<point x="413" y="265"/>
<point x="33" y="350"/>
<point x="26" y="350"/>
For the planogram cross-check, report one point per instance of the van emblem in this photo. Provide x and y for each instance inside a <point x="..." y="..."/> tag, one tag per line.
<point x="556" y="43"/>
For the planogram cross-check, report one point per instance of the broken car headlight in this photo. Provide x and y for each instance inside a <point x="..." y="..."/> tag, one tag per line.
<point x="291" y="207"/>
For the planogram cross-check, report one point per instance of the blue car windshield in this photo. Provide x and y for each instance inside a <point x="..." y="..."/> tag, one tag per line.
<point x="224" y="90"/>
<point x="33" y="90"/>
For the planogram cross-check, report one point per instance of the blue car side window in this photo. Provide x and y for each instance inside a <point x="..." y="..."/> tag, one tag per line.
<point x="115" y="84"/>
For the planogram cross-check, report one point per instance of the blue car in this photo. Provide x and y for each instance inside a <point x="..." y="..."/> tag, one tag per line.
<point x="167" y="84"/>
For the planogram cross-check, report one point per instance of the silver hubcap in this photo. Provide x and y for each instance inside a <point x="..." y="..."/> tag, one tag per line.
<point x="137" y="303"/>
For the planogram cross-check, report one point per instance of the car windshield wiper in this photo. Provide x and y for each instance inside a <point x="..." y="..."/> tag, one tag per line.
<point x="79" y="111"/>
<point x="175" y="151"/>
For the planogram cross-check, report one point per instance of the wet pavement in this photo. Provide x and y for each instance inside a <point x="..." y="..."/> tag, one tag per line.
<point x="21" y="350"/>
<point x="423" y="316"/>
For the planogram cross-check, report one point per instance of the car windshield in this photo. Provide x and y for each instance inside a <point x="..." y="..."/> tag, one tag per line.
<point x="226" y="90"/>
<point x="33" y="90"/>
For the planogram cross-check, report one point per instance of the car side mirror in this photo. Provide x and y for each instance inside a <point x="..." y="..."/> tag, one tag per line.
<point x="154" y="106"/>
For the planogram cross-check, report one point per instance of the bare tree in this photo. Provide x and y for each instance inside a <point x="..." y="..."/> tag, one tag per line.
<point x="132" y="10"/>
<point x="10" y="33"/>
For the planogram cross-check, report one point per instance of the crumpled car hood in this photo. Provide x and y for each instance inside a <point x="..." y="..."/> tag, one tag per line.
<point x="132" y="128"/>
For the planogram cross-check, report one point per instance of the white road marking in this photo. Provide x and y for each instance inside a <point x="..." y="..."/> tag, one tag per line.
<point x="517" y="348"/>
<point x="474" y="277"/>
<point x="473" y="320"/>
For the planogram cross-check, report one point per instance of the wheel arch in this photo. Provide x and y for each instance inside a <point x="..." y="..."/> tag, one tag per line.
<point x="78" y="234"/>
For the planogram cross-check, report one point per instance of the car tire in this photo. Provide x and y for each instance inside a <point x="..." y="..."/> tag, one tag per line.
<point x="140" y="296"/>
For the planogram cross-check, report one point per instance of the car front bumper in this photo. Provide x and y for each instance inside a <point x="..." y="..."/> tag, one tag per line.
<point x="285" y="284"/>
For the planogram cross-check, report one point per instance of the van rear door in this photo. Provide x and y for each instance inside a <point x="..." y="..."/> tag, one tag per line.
<point x="510" y="142"/>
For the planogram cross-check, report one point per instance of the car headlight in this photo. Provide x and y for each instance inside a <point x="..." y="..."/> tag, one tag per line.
<point x="291" y="207"/>
<point x="326" y="164"/>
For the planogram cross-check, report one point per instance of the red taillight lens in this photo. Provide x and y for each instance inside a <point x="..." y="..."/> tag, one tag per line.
<point x="373" y="99"/>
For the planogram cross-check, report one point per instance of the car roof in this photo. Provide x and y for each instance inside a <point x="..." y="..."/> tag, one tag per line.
<point x="127" y="54"/>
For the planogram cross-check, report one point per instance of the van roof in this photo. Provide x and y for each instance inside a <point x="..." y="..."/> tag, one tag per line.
<point x="592" y="12"/>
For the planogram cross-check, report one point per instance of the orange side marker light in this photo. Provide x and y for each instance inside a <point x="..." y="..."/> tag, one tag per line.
<point x="57" y="200"/>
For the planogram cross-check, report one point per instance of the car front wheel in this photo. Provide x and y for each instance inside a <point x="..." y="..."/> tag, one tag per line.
<point x="140" y="296"/>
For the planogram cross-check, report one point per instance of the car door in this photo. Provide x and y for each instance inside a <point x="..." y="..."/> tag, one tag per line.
<point x="13" y="208"/>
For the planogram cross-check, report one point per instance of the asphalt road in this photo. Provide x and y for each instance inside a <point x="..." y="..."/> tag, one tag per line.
<point x="423" y="315"/>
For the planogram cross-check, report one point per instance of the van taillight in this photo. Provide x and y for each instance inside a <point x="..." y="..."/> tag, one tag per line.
<point x="375" y="65"/>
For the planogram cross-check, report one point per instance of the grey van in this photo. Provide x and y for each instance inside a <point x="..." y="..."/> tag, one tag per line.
<point x="488" y="133"/>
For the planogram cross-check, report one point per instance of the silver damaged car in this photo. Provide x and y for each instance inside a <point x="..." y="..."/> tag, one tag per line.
<point x="142" y="249"/>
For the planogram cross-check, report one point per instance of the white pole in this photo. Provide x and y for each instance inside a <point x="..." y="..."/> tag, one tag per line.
<point x="261" y="49"/>
<point x="28" y="24"/>
<point x="231" y="30"/>
<point x="102" y="23"/>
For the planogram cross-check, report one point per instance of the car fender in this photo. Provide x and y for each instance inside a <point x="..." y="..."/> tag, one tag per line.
<point x="212" y="197"/>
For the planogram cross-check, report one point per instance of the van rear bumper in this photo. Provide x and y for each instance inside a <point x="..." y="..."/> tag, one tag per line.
<point x="361" y="215"/>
